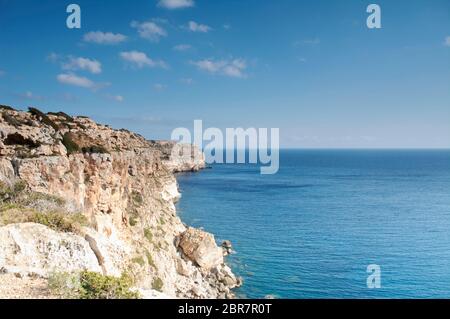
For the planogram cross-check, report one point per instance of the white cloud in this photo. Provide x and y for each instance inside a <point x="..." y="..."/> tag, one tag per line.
<point x="72" y="79"/>
<point x="182" y="47"/>
<point x="117" y="98"/>
<point x="196" y="27"/>
<point x="100" y="37"/>
<point x="234" y="68"/>
<point x="176" y="4"/>
<point x="149" y="30"/>
<point x="447" y="41"/>
<point x="93" y="66"/>
<point x="140" y="59"/>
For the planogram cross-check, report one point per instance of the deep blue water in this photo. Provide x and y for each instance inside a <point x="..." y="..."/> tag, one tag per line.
<point x="311" y="230"/>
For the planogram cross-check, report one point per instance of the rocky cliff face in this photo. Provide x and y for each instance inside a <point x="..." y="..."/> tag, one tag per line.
<point x="125" y="186"/>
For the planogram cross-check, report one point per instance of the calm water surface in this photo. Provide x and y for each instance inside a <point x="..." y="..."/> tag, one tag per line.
<point x="311" y="230"/>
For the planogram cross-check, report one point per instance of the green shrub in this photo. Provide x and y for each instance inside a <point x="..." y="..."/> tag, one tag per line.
<point x="150" y="260"/>
<point x="157" y="284"/>
<point x="6" y="107"/>
<point x="11" y="120"/>
<point x="133" y="221"/>
<point x="43" y="118"/>
<point x="69" y="143"/>
<point x="97" y="286"/>
<point x="139" y="260"/>
<point x="9" y="194"/>
<point x="137" y="198"/>
<point x="58" y="221"/>
<point x="148" y="234"/>
<point x="91" y="285"/>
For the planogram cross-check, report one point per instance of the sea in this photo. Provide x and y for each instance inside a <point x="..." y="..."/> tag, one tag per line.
<point x="314" y="229"/>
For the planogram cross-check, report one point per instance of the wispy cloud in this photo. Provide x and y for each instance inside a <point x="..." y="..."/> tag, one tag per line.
<point x="30" y="96"/>
<point x="80" y="81"/>
<point x="197" y="27"/>
<point x="74" y="63"/>
<point x="100" y="37"/>
<point x="140" y="59"/>
<point x="182" y="47"/>
<point x="234" y="68"/>
<point x="447" y="41"/>
<point x="149" y="30"/>
<point x="175" y="4"/>
<point x="116" y="98"/>
<point x="72" y="79"/>
<point x="53" y="57"/>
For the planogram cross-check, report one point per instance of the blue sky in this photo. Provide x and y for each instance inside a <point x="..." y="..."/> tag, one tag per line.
<point x="311" y="68"/>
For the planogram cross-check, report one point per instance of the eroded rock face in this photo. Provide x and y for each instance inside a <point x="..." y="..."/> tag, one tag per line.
<point x="200" y="247"/>
<point x="35" y="249"/>
<point x="126" y="187"/>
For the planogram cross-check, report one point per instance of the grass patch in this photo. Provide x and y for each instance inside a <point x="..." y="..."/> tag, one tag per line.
<point x="69" y="223"/>
<point x="64" y="284"/>
<point x="19" y="205"/>
<point x="9" y="193"/>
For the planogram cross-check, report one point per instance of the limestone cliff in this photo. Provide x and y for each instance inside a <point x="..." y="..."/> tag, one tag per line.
<point x="125" y="187"/>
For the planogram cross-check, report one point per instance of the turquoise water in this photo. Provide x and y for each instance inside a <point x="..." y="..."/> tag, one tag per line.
<point x="311" y="230"/>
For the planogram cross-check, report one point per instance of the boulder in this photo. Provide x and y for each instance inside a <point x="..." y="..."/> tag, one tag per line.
<point x="36" y="249"/>
<point x="200" y="247"/>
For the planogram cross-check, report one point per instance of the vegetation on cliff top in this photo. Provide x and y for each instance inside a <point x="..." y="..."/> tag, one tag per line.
<point x="20" y="205"/>
<point x="91" y="285"/>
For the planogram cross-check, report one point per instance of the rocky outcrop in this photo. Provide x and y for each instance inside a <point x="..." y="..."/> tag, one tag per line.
<point x="200" y="247"/>
<point x="126" y="188"/>
<point x="33" y="249"/>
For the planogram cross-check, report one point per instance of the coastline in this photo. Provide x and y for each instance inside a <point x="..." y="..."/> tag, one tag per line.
<point x="126" y="188"/>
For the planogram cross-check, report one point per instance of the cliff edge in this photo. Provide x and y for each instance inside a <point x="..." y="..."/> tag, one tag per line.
<point x="78" y="196"/>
